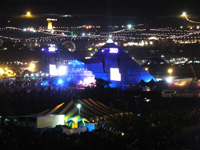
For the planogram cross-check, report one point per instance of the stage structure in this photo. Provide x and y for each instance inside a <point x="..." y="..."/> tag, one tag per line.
<point x="73" y="73"/>
<point x="111" y="63"/>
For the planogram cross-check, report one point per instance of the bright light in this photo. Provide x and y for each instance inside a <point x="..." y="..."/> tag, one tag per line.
<point x="147" y="99"/>
<point x="184" y="14"/>
<point x="130" y="26"/>
<point x="146" y="69"/>
<point x="24" y="29"/>
<point x="62" y="70"/>
<point x="52" y="70"/>
<point x="1" y="71"/>
<point x="109" y="41"/>
<point x="52" y="49"/>
<point x="32" y="67"/>
<point x="169" y="79"/>
<point x="83" y="34"/>
<point x="28" y="14"/>
<point x="141" y="43"/>
<point x="100" y="44"/>
<point x="78" y="106"/>
<point x="153" y="38"/>
<point x="89" y="80"/>
<point x="50" y="26"/>
<point x="113" y="50"/>
<point x="114" y="74"/>
<point x="170" y="70"/>
<point x="90" y="48"/>
<point x="60" y="81"/>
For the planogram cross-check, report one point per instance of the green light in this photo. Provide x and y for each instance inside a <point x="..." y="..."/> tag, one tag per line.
<point x="72" y="32"/>
<point x="130" y="26"/>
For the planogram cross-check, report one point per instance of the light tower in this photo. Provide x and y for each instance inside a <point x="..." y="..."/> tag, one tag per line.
<point x="50" y="24"/>
<point x="28" y="14"/>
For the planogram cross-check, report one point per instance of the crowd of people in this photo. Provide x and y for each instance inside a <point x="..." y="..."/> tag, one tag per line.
<point x="157" y="130"/>
<point x="158" y="123"/>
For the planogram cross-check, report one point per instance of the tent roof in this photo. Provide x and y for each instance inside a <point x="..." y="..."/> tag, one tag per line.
<point x="89" y="109"/>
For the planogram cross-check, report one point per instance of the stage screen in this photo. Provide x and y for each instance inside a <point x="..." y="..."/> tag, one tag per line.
<point x="114" y="74"/>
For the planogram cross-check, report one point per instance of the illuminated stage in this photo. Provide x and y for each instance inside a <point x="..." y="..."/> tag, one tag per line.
<point x="109" y="63"/>
<point x="74" y="73"/>
<point x="112" y="64"/>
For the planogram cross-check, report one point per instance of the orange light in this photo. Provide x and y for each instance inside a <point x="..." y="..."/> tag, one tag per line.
<point x="170" y="71"/>
<point x="28" y="14"/>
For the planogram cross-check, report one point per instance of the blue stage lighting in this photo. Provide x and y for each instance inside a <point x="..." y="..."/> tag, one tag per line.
<point x="60" y="81"/>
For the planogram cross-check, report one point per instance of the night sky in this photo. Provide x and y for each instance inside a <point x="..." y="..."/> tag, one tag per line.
<point x="103" y="7"/>
<point x="113" y="11"/>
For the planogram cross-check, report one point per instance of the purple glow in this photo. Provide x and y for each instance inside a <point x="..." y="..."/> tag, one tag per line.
<point x="102" y="50"/>
<point x="113" y="50"/>
<point x="42" y="49"/>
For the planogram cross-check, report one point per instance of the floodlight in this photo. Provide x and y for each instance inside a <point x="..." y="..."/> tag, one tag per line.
<point x="78" y="106"/>
<point x="169" y="79"/>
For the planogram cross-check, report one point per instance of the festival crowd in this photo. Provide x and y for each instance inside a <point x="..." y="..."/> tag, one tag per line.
<point x="156" y="124"/>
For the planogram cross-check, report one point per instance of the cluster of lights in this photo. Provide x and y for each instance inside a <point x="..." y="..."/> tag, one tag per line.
<point x="7" y="72"/>
<point x="134" y="35"/>
<point x="33" y="75"/>
<point x="30" y="29"/>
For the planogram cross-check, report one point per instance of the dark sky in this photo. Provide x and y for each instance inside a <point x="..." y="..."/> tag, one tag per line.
<point x="103" y="7"/>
